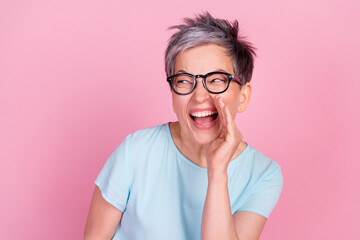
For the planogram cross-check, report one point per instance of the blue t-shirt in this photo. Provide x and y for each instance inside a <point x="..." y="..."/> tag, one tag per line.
<point x="162" y="194"/>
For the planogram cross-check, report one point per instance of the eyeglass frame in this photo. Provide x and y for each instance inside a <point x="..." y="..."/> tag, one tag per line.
<point x="230" y="77"/>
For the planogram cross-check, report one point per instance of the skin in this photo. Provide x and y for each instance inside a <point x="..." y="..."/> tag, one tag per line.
<point x="216" y="147"/>
<point x="211" y="148"/>
<point x="103" y="218"/>
<point x="192" y="142"/>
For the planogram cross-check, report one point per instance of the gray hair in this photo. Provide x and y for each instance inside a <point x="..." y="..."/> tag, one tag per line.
<point x="204" y="29"/>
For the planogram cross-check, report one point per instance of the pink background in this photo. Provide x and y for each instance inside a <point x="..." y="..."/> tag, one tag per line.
<point x="76" y="77"/>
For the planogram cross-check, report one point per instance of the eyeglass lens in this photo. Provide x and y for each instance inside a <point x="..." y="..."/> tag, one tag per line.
<point x="216" y="83"/>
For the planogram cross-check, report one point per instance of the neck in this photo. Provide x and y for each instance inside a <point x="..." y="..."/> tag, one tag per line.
<point x="192" y="150"/>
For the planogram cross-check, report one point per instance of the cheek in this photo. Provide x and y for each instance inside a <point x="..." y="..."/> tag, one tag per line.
<point x="179" y="104"/>
<point x="232" y="101"/>
<point x="173" y="103"/>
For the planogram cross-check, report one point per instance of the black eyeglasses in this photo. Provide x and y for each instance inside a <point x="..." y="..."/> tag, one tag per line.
<point x="214" y="82"/>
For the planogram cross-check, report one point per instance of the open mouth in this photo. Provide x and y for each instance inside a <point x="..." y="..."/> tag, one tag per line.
<point x="204" y="118"/>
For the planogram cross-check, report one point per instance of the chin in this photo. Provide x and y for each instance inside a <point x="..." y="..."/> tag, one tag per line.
<point x="202" y="140"/>
<point x="200" y="134"/>
<point x="204" y="137"/>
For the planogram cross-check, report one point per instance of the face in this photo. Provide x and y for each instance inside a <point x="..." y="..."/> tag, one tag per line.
<point x="190" y="109"/>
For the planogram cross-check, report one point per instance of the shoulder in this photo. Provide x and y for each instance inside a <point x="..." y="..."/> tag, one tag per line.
<point x="139" y="147"/>
<point x="141" y="139"/>
<point x="148" y="135"/>
<point x="153" y="139"/>
<point x="258" y="180"/>
<point x="257" y="166"/>
<point x="261" y="162"/>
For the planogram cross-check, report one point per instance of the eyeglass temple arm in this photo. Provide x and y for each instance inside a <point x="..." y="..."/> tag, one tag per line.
<point x="237" y="79"/>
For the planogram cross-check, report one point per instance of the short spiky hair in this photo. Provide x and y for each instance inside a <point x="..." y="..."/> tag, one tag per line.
<point x="204" y="29"/>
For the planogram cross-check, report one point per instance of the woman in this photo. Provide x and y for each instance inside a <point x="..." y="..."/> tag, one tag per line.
<point x="195" y="178"/>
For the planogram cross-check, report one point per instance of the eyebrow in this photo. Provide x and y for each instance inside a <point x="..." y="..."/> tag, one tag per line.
<point x="181" y="71"/>
<point x="217" y="70"/>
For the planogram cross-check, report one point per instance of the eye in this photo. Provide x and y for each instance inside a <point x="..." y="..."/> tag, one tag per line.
<point x="183" y="81"/>
<point x="217" y="80"/>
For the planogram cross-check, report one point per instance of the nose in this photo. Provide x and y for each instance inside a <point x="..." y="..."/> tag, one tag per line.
<point x="200" y="94"/>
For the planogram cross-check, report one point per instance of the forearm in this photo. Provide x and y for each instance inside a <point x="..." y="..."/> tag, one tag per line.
<point x="217" y="221"/>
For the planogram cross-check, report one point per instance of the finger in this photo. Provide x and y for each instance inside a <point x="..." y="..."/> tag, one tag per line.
<point x="224" y="111"/>
<point x="220" y="106"/>
<point x="228" y="118"/>
<point x="219" y="109"/>
<point x="229" y="123"/>
<point x="232" y="129"/>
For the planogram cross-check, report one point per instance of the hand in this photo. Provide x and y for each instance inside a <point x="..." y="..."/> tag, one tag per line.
<point x="224" y="146"/>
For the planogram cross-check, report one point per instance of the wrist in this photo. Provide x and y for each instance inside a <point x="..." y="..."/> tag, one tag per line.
<point x="217" y="175"/>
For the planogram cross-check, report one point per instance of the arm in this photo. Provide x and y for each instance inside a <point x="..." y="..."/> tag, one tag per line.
<point x="217" y="220"/>
<point x="249" y="225"/>
<point x="103" y="218"/>
<point x="218" y="223"/>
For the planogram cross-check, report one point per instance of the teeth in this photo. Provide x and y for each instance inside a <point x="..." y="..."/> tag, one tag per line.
<point x="203" y="114"/>
<point x="207" y="124"/>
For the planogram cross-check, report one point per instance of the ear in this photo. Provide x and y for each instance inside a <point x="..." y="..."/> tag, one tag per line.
<point x="245" y="95"/>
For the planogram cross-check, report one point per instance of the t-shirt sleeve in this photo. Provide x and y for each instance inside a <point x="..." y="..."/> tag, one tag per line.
<point x="113" y="178"/>
<point x="266" y="194"/>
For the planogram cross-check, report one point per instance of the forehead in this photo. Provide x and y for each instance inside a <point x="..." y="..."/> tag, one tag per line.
<point x="203" y="59"/>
